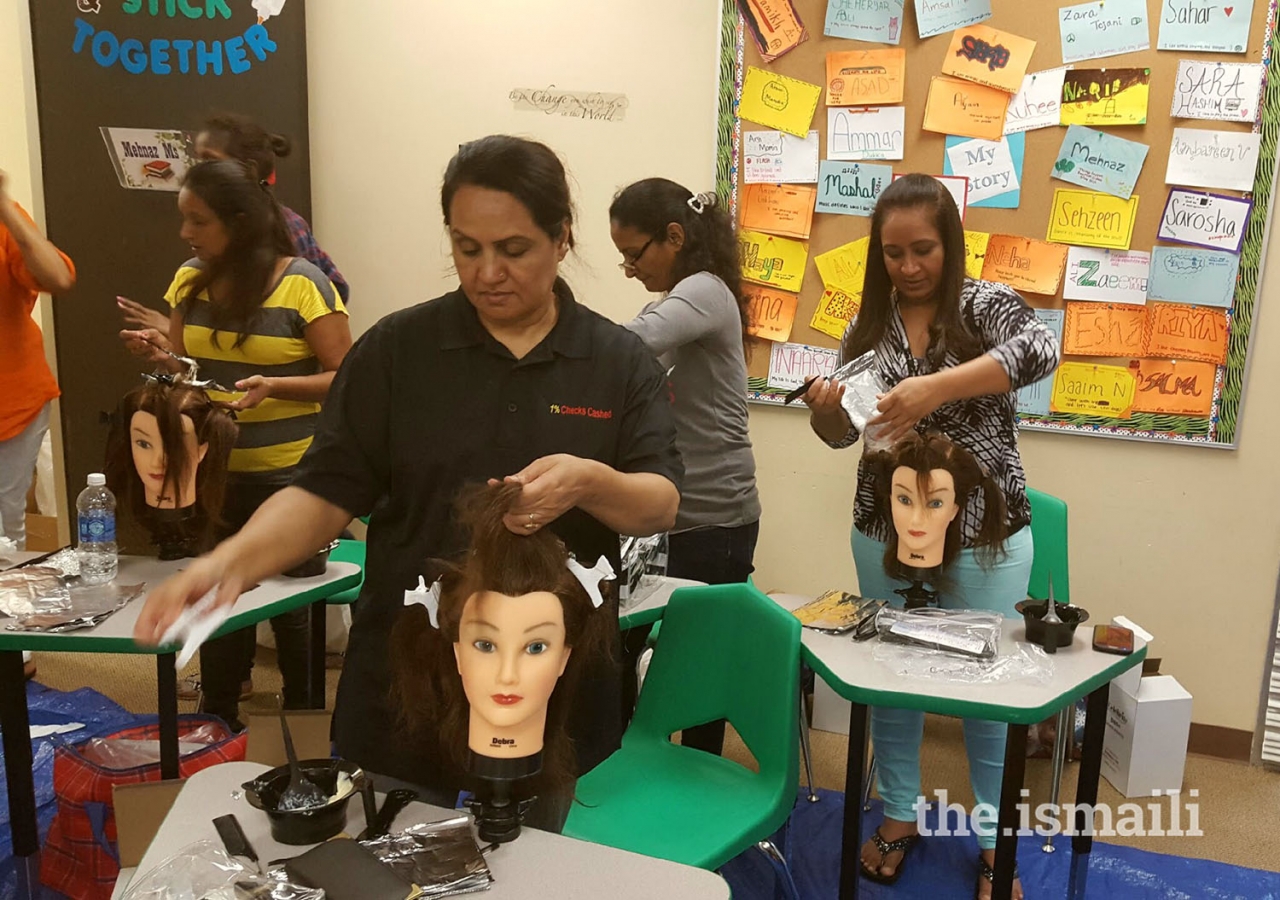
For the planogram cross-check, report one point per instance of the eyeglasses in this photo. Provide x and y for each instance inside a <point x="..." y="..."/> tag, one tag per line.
<point x="630" y="264"/>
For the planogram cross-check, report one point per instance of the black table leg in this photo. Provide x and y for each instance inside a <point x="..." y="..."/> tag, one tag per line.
<point x="167" y="698"/>
<point x="855" y="767"/>
<point x="315" y="656"/>
<point x="1095" y="727"/>
<point x="17" y="767"/>
<point x="1015" y="765"/>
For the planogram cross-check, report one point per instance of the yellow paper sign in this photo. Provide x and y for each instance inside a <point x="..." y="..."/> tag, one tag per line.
<point x="771" y="312"/>
<point x="785" y="209"/>
<point x="775" y="25"/>
<point x="1091" y="219"/>
<point x="775" y="261"/>
<point x="1024" y="264"/>
<point x="776" y="101"/>
<point x="845" y="266"/>
<point x="1103" y="329"/>
<point x="1175" y="387"/>
<point x="1097" y="97"/>
<point x="988" y="56"/>
<point x="866" y="77"/>
<point x="964" y="108"/>
<point x="835" y="309"/>
<point x="1093" y="390"/>
<point x="975" y="252"/>
<point x="1180" y="331"/>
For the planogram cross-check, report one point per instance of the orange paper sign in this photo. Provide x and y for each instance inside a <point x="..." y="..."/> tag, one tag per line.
<point x="1178" y="388"/>
<point x="866" y="77"/>
<point x="988" y="56"/>
<point x="775" y="25"/>
<point x="785" y="209"/>
<point x="1104" y="329"/>
<point x="1178" y="331"/>
<point x="1024" y="264"/>
<point x="964" y="108"/>
<point x="771" y="312"/>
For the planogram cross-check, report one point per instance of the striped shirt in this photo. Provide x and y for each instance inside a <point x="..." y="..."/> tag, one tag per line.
<point x="274" y="434"/>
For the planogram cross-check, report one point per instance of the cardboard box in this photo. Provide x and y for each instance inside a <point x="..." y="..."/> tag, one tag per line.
<point x="1128" y="682"/>
<point x="1145" y="748"/>
<point x="830" y="710"/>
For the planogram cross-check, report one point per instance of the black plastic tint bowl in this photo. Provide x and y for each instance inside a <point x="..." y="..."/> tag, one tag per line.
<point x="305" y="826"/>
<point x="1033" y="616"/>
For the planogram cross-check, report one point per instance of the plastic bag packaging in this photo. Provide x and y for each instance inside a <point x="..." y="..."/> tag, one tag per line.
<point x="441" y="858"/>
<point x="971" y="633"/>
<point x="124" y="753"/>
<point x="644" y="563"/>
<point x="7" y="550"/>
<point x="84" y="607"/>
<point x="23" y="591"/>
<point x="862" y="389"/>
<point x="1026" y="663"/>
<point x="203" y="871"/>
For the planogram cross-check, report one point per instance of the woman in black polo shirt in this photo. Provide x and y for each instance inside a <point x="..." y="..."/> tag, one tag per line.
<point x="507" y="376"/>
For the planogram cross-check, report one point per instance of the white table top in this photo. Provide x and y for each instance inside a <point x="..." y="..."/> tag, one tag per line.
<point x="850" y="669"/>
<point x="536" y="865"/>
<point x="648" y="609"/>
<point x="9" y="560"/>
<point x="115" y="634"/>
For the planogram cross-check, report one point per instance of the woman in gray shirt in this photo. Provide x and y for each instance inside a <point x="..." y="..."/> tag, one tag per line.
<point x="682" y="247"/>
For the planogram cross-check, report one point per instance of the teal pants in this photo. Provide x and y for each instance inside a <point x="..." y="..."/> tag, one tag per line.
<point x="896" y="733"/>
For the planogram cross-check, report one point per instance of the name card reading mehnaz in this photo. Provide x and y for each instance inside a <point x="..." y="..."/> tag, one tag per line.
<point x="1092" y="220"/>
<point x="1093" y="390"/>
<point x="1100" y="161"/>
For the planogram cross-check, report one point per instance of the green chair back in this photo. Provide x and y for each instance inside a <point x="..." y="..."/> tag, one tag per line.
<point x="1049" y="532"/>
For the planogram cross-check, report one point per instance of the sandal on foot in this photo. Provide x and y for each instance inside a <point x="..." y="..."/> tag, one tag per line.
<point x="902" y="845"/>
<point x="988" y="873"/>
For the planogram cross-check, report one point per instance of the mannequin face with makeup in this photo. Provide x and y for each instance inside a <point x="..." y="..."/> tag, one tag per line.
<point x="149" y="460"/>
<point x="511" y="651"/>
<point x="921" y="520"/>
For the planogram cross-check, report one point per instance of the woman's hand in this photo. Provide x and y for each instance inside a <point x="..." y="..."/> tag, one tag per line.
<point x="147" y="344"/>
<point x="828" y="417"/>
<point x="139" y="316"/>
<point x="256" y="389"/>
<point x="905" y="405"/>
<point x="553" y="485"/>
<point x="164" y="604"/>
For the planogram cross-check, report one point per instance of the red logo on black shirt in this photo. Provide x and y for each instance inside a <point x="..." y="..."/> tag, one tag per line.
<point x="590" y="412"/>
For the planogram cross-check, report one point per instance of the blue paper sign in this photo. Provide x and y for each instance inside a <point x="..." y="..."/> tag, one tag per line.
<point x="1100" y="161"/>
<point x="1193" y="275"/>
<point x="879" y="21"/>
<point x="1205" y="27"/>
<point x="938" y="16"/>
<point x="1017" y="144"/>
<point x="850" y="188"/>
<point x="1033" y="400"/>
<point x="1103" y="28"/>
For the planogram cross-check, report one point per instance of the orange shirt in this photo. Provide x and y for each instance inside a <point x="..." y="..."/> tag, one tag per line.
<point x="26" y="384"/>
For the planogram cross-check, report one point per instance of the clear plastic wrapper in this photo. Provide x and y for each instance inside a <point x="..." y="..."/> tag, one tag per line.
<point x="644" y="563"/>
<point x="442" y="858"/>
<point x="1026" y="663"/>
<point x="203" y="871"/>
<point x="971" y="633"/>
<point x="862" y="389"/>
<point x="8" y="549"/>
<point x="125" y="753"/>
<point x="83" y="606"/>
<point x="23" y="591"/>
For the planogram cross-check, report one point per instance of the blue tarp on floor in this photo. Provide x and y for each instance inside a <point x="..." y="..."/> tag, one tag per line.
<point x="945" y="868"/>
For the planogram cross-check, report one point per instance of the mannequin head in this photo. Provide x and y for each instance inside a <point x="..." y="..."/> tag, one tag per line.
<point x="923" y="506"/>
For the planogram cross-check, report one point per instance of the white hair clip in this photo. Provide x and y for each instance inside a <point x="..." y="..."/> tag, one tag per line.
<point x="592" y="577"/>
<point x="428" y="597"/>
<point x="701" y="201"/>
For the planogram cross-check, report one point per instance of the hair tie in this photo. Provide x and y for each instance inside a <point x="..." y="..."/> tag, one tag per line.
<point x="701" y="201"/>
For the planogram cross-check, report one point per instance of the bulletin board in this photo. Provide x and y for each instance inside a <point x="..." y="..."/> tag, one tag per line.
<point x="924" y="151"/>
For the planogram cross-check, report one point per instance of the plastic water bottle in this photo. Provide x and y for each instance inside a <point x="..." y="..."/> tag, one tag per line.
<point x="96" y="548"/>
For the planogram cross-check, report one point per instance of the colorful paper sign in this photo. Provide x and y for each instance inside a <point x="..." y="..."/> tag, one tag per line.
<point x="1180" y="331"/>
<point x="1205" y="26"/>
<point x="1091" y="219"/>
<point x="851" y="189"/>
<point x="775" y="261"/>
<point x="938" y="16"/>
<point x="879" y="21"/>
<point x="776" y="101"/>
<point x="1024" y="264"/>
<point x="1213" y="159"/>
<point x="956" y="185"/>
<point x="835" y="309"/>
<point x="773" y="157"/>
<point x="1105" y="96"/>
<point x="1193" y="275"/>
<point x="986" y="55"/>
<point x="1103" y="162"/>
<point x="785" y="209"/>
<point x="1175" y="387"/>
<point x="147" y="159"/>
<point x="770" y="312"/>
<point x="1104" y="329"/>
<point x="774" y="24"/>
<point x="1033" y="400"/>
<point x="790" y="365"/>
<point x="844" y="267"/>
<point x="1104" y="28"/>
<point x="1093" y="390"/>
<point x="975" y="252"/>
<point x="865" y="132"/>
<point x="1038" y="102"/>
<point x="1107" y="276"/>
<point x="1227" y="92"/>
<point x="993" y="168"/>
<point x="1205" y="220"/>
<point x="866" y="77"/>
<point x="964" y="108"/>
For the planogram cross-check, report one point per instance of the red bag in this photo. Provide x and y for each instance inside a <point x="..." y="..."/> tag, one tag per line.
<point x="80" y="858"/>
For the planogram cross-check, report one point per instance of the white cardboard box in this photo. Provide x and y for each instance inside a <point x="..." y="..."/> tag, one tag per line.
<point x="1145" y="748"/>
<point x="1128" y="682"/>
<point x="830" y="710"/>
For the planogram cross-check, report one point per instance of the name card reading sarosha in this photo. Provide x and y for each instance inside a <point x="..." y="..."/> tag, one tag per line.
<point x="1104" y="329"/>
<point x="771" y="313"/>
<point x="776" y="261"/>
<point x="1175" y="387"/>
<point x="1107" y="276"/>
<point x="1099" y="161"/>
<point x="1091" y="219"/>
<point x="1193" y="275"/>
<point x="775" y="157"/>
<point x="986" y="55"/>
<point x="1205" y="220"/>
<point x="790" y="365"/>
<point x="1228" y="92"/>
<point x="1213" y="159"/>
<point x="865" y="132"/>
<point x="1177" y="331"/>
<point x="936" y="16"/>
<point x="1038" y="102"/>
<point x="1105" y="28"/>
<point x="1093" y="390"/>
<point x="963" y="108"/>
<point x="866" y="77"/>
<point x="776" y="101"/>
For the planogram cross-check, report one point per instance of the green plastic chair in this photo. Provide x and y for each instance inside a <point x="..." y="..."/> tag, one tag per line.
<point x="1049" y="531"/>
<point x="353" y="552"/>
<point x="726" y="652"/>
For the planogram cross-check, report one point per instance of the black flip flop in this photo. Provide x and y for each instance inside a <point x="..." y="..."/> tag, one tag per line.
<point x="985" y="871"/>
<point x="902" y="845"/>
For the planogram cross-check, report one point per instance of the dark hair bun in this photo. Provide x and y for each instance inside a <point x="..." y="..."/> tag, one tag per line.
<point x="280" y="145"/>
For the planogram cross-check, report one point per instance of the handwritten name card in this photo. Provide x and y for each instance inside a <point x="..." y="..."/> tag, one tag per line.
<point x="1091" y="219"/>
<point x="1099" y="97"/>
<point x="775" y="261"/>
<point x="791" y="364"/>
<point x="964" y="108"/>
<point x="1033" y="400"/>
<point x="844" y="267"/>
<point x="975" y="252"/>
<point x="1205" y="25"/>
<point x="1178" y="331"/>
<point x="865" y="132"/>
<point x="771" y="313"/>
<point x="866" y="77"/>
<point x="1205" y="220"/>
<point x="1175" y="387"/>
<point x="1105" y="28"/>
<point x="1228" y="92"/>
<point x="835" y="309"/>
<point x="776" y="101"/>
<point x="1104" y="329"/>
<point x="937" y="16"/>
<point x="864" y="20"/>
<point x="785" y="209"/>
<point x="1038" y="102"/>
<point x="1024" y="264"/>
<point x="1107" y="276"/>
<point x="1093" y="390"/>
<point x="851" y="189"/>
<point x="1213" y="159"/>
<point x="775" y="26"/>
<point x="773" y="157"/>
<point x="1103" y="162"/>
<point x="1192" y="275"/>
<point x="986" y="55"/>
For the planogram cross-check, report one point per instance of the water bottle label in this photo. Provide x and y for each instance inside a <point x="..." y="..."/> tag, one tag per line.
<point x="97" y="529"/>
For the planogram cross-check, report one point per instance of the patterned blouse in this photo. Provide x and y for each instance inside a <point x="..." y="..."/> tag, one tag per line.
<point x="986" y="426"/>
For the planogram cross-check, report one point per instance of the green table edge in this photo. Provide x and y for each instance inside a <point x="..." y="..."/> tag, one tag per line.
<point x="968" y="709"/>
<point x="639" y="617"/>
<point x="23" y="640"/>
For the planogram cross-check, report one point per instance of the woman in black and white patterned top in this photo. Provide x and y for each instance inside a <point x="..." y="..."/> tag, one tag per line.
<point x="953" y="351"/>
